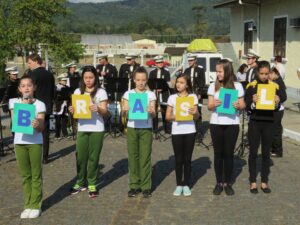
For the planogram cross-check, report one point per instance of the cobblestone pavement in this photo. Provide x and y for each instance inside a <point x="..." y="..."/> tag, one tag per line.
<point x="281" y="207"/>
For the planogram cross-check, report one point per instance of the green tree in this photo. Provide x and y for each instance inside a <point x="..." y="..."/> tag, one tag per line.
<point x="67" y="50"/>
<point x="200" y="25"/>
<point x="6" y="43"/>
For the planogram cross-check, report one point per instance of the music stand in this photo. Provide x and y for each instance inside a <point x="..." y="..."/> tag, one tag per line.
<point x="158" y="84"/>
<point x="3" y="144"/>
<point x="240" y="150"/>
<point x="116" y="86"/>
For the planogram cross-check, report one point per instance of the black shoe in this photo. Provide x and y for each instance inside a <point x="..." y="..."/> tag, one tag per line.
<point x="133" y="192"/>
<point x="228" y="190"/>
<point x="218" y="189"/>
<point x="266" y="190"/>
<point x="254" y="191"/>
<point x="147" y="193"/>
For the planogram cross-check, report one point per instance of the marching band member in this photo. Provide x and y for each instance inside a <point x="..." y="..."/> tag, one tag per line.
<point x="197" y="75"/>
<point x="161" y="72"/>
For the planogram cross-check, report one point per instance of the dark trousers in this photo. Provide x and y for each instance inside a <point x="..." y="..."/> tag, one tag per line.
<point x="46" y="134"/>
<point x="61" y="122"/>
<point x="260" y="132"/>
<point x="224" y="138"/>
<point x="183" y="145"/>
<point x="277" y="137"/>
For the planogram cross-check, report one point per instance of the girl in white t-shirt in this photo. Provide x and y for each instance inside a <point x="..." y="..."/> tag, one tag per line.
<point x="90" y="133"/>
<point x="29" y="151"/>
<point x="183" y="134"/>
<point x="139" y="139"/>
<point x="224" y="128"/>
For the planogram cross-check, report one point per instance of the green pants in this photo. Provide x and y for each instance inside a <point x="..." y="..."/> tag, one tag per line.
<point x="139" y="144"/>
<point x="29" y="159"/>
<point x="88" y="149"/>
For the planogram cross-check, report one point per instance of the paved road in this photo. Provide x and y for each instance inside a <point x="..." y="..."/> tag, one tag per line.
<point x="281" y="207"/>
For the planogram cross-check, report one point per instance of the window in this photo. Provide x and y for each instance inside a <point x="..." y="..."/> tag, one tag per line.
<point x="248" y="36"/>
<point x="213" y="62"/>
<point x="202" y="62"/>
<point x="280" y="36"/>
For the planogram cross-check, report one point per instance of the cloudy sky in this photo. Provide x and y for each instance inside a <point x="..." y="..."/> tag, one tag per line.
<point x="95" y="1"/>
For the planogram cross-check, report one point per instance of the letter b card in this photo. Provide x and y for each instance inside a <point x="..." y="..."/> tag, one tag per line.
<point x="22" y="116"/>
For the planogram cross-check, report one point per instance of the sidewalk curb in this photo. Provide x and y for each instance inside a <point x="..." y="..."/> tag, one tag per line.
<point x="291" y="134"/>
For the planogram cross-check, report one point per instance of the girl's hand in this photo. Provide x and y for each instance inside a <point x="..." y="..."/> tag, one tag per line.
<point x="217" y="102"/>
<point x="255" y="98"/>
<point x="71" y="109"/>
<point x="236" y="105"/>
<point x="277" y="99"/>
<point x="151" y="109"/>
<point x="35" y="123"/>
<point x="125" y="108"/>
<point x="94" y="108"/>
<point x="193" y="110"/>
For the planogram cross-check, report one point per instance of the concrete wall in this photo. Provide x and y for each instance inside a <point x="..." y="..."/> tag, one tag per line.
<point x="263" y="37"/>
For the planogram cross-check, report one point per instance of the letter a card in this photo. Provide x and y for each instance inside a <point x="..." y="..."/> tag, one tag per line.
<point x="81" y="104"/>
<point x="22" y="117"/>
<point x="183" y="104"/>
<point x="227" y="97"/>
<point x="266" y="93"/>
<point x="138" y="106"/>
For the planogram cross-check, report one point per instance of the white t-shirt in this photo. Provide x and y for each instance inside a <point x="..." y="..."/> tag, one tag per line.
<point x="140" y="123"/>
<point x="182" y="127"/>
<point x="241" y="76"/>
<point x="36" y="137"/>
<point x="96" y="123"/>
<point x="221" y="118"/>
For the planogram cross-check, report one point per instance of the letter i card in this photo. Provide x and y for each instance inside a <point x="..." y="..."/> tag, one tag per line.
<point x="138" y="103"/>
<point x="228" y="97"/>
<point x="23" y="115"/>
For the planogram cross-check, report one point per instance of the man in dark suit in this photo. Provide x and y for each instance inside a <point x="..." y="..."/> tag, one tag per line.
<point x="45" y="87"/>
<point x="127" y="69"/>
<point x="160" y="72"/>
<point x="105" y="69"/>
<point x="252" y="60"/>
<point x="73" y="77"/>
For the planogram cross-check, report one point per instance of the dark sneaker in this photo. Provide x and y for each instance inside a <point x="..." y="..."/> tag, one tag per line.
<point x="228" y="190"/>
<point x="93" y="192"/>
<point x="147" y="194"/>
<point x="218" y="189"/>
<point x="76" y="189"/>
<point x="133" y="192"/>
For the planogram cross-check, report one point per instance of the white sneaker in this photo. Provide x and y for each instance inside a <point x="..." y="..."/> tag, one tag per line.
<point x="25" y="213"/>
<point x="187" y="191"/>
<point x="34" y="213"/>
<point x="178" y="191"/>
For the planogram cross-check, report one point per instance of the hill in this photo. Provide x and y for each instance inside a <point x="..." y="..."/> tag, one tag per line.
<point x="153" y="17"/>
